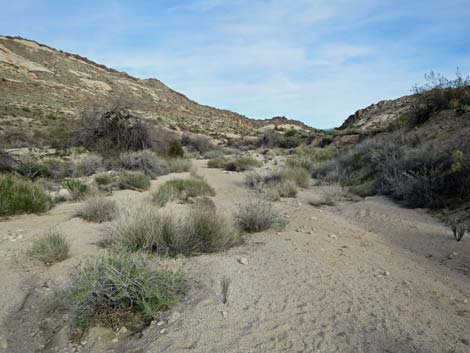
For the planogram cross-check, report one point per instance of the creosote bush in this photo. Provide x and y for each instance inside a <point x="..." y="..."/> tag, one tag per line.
<point x="21" y="196"/>
<point x="134" y="179"/>
<point x="98" y="209"/>
<point x="114" y="288"/>
<point x="50" y="248"/>
<point x="181" y="189"/>
<point x="257" y="216"/>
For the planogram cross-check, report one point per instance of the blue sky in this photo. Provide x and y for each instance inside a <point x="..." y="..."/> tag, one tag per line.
<point x="313" y="60"/>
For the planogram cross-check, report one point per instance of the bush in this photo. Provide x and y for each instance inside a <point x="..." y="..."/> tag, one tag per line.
<point x="182" y="189"/>
<point x="77" y="188"/>
<point x="298" y="175"/>
<point x="50" y="248"/>
<point x="204" y="202"/>
<point x="7" y="163"/>
<point x="197" y="143"/>
<point x="114" y="288"/>
<point x="98" y="209"/>
<point x="89" y="164"/>
<point x="21" y="196"/>
<point x="279" y="183"/>
<point x="218" y="162"/>
<point x="257" y="216"/>
<point x="32" y="169"/>
<point x="134" y="180"/>
<point x="179" y="165"/>
<point x="145" y="161"/>
<point x="175" y="150"/>
<point x="241" y="164"/>
<point x="144" y="229"/>
<point x="204" y="231"/>
<point x="104" y="179"/>
<point x="287" y="189"/>
<point x="148" y="230"/>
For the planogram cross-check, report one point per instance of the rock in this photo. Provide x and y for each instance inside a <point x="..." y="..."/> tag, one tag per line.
<point x="173" y="317"/>
<point x="115" y="340"/>
<point x="451" y="256"/>
<point x="464" y="341"/>
<point x="243" y="261"/>
<point x="160" y="323"/>
<point x="333" y="236"/>
<point x="224" y="314"/>
<point x="122" y="331"/>
<point x="64" y="194"/>
<point x="162" y="331"/>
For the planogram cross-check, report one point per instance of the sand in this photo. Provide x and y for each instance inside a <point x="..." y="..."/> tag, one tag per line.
<point x="365" y="276"/>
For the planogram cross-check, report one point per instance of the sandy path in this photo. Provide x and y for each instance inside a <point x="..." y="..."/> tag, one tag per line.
<point x="329" y="282"/>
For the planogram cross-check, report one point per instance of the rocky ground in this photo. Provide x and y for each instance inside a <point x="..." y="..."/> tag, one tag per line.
<point x="363" y="276"/>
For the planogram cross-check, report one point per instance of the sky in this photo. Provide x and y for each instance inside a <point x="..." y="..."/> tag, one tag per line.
<point x="312" y="60"/>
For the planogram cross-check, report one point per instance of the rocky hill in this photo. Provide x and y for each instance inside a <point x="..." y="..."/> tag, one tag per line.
<point x="38" y="83"/>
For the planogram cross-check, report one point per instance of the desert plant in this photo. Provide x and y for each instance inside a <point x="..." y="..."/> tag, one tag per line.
<point x="21" y="196"/>
<point x="179" y="165"/>
<point x="134" y="180"/>
<point x="204" y="202"/>
<point x="143" y="229"/>
<point x="175" y="150"/>
<point x="32" y="169"/>
<point x="218" y="162"/>
<point x="225" y="289"/>
<point x="77" y="188"/>
<point x="98" y="209"/>
<point x="287" y="189"/>
<point x="458" y="227"/>
<point x="114" y="287"/>
<point x="104" y="179"/>
<point x="204" y="231"/>
<point x="182" y="189"/>
<point x="241" y="164"/>
<point x="7" y="162"/>
<point x="88" y="164"/>
<point x="198" y="143"/>
<point x="258" y="215"/>
<point x="299" y="175"/>
<point x="145" y="161"/>
<point x="51" y="247"/>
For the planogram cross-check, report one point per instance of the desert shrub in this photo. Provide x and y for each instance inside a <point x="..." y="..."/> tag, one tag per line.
<point x="7" y="162"/>
<point x="243" y="163"/>
<point x="300" y="176"/>
<point x="181" y="189"/>
<point x="197" y="143"/>
<point x="98" y="209"/>
<point x="287" y="189"/>
<point x="218" y="162"/>
<point x="32" y="169"/>
<point x="78" y="190"/>
<point x="104" y="179"/>
<point x="306" y="157"/>
<point x="437" y="94"/>
<point x="175" y="150"/>
<point x="145" y="161"/>
<point x="204" y="231"/>
<point x="459" y="227"/>
<point x="213" y="154"/>
<point x="21" y="196"/>
<point x="179" y="165"/>
<point x="204" y="202"/>
<point x="134" y="180"/>
<point x="89" y="164"/>
<point x="279" y="183"/>
<point x="144" y="229"/>
<point x="114" y="128"/>
<point x="114" y="287"/>
<point x="50" y="248"/>
<point x="60" y="168"/>
<point x="257" y="215"/>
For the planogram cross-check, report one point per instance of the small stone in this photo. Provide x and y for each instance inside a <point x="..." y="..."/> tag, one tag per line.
<point x="160" y="323"/>
<point x="243" y="261"/>
<point x="162" y="331"/>
<point x="333" y="236"/>
<point x="115" y="340"/>
<point x="385" y="273"/>
<point x="123" y="330"/>
<point x="224" y="314"/>
<point x="464" y="341"/>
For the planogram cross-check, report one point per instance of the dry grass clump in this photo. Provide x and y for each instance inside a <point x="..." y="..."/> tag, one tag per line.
<point x="144" y="161"/>
<point x="98" y="209"/>
<point x="257" y="216"/>
<point x="329" y="195"/>
<point x="199" y="231"/>
<point x="117" y="288"/>
<point x="78" y="189"/>
<point x="89" y="164"/>
<point x="134" y="180"/>
<point x="104" y="179"/>
<point x="50" y="248"/>
<point x="21" y="196"/>
<point x="182" y="189"/>
<point x="179" y="165"/>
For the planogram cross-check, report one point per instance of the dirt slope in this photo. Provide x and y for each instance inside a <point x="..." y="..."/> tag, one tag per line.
<point x="337" y="279"/>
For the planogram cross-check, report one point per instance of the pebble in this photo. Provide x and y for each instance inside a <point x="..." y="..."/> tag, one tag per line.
<point x="160" y="323"/>
<point x="464" y="341"/>
<point x="162" y="331"/>
<point x="333" y="236"/>
<point x="243" y="261"/>
<point x="115" y="340"/>
<point x="224" y="314"/>
<point x="123" y="330"/>
<point x="451" y="256"/>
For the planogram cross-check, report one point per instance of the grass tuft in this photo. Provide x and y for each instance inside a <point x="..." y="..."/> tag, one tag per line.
<point x="257" y="216"/>
<point x="98" y="209"/>
<point x="50" y="248"/>
<point x="182" y="189"/>
<point x="134" y="180"/>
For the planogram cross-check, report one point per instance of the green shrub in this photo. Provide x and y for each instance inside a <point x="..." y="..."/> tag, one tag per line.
<point x="175" y="150"/>
<point x="50" y="248"/>
<point x="115" y="287"/>
<point x="21" y="196"/>
<point x="213" y="154"/>
<point x="258" y="215"/>
<point x="179" y="165"/>
<point x="88" y="164"/>
<point x="32" y="169"/>
<point x="204" y="202"/>
<point x="241" y="164"/>
<point x="98" y="209"/>
<point x="287" y="189"/>
<point x="144" y="161"/>
<point x="298" y="175"/>
<point x="131" y="180"/>
<point x="104" y="179"/>
<point x="77" y="188"/>
<point x="218" y="162"/>
<point x="182" y="189"/>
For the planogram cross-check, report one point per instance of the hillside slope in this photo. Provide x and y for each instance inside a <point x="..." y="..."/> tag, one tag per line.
<point x="36" y="80"/>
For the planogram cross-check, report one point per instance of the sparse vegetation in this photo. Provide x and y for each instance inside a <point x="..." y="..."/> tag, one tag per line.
<point x="50" y="248"/>
<point x="89" y="164"/>
<point x="78" y="189"/>
<point x="98" y="209"/>
<point x="144" y="161"/>
<point x="179" y="165"/>
<point x="235" y="164"/>
<point x="104" y="179"/>
<point x="21" y="196"/>
<point x="113" y="288"/>
<point x="257" y="216"/>
<point x="181" y="189"/>
<point x="134" y="180"/>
